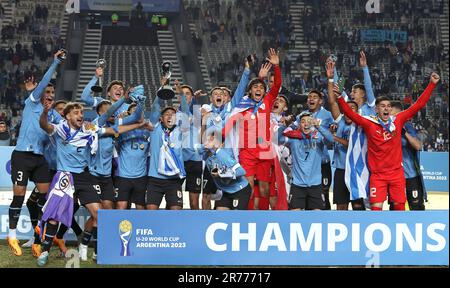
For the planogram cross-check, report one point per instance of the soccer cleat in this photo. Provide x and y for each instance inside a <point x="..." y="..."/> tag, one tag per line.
<point x="43" y="258"/>
<point x="94" y="256"/>
<point x="36" y="250"/>
<point x="28" y="243"/>
<point x="61" y="244"/>
<point x="14" y="245"/>
<point x="82" y="250"/>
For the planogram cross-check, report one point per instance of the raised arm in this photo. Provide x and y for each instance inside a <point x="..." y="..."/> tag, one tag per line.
<point x="35" y="96"/>
<point x="122" y="129"/>
<point x="43" y="120"/>
<point x="155" y="112"/>
<point x="86" y="96"/>
<point x="421" y="101"/>
<point x="135" y="116"/>
<point x="242" y="86"/>
<point x="54" y="116"/>
<point x="415" y="143"/>
<point x="355" y="117"/>
<point x="324" y="131"/>
<point x="334" y="107"/>
<point x="184" y="106"/>
<point x="367" y="81"/>
<point x="105" y="116"/>
<point x="275" y="61"/>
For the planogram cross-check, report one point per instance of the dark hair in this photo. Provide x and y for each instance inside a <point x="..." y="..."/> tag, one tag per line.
<point x="397" y="104"/>
<point x="382" y="98"/>
<point x="188" y="87"/>
<point x="359" y="86"/>
<point x="2" y="123"/>
<point x="114" y="82"/>
<point x="132" y="105"/>
<point x="285" y="99"/>
<point x="168" y="108"/>
<point x="50" y="85"/>
<point x="304" y="114"/>
<point x="352" y="102"/>
<point x="59" y="102"/>
<point x="317" y="92"/>
<point x="101" y="104"/>
<point x="255" y="81"/>
<point x="226" y="89"/>
<point x="215" y="88"/>
<point x="71" y="106"/>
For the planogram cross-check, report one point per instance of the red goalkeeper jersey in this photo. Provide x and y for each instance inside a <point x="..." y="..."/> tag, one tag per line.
<point x="385" y="143"/>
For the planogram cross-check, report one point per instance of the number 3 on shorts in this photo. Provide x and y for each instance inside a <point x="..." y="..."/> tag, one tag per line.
<point x="19" y="176"/>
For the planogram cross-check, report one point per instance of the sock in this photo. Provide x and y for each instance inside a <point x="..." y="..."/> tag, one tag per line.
<point x="75" y="227"/>
<point x="86" y="237"/>
<point x="94" y="236"/>
<point x="32" y="207"/>
<point x="399" y="206"/>
<point x="12" y="234"/>
<point x="373" y="208"/>
<point x="41" y="202"/>
<point x="50" y="232"/>
<point x="14" y="211"/>
<point x="61" y="231"/>
<point x="37" y="238"/>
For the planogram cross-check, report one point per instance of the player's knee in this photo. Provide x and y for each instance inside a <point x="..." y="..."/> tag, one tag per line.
<point x="264" y="189"/>
<point x="358" y="204"/>
<point x="399" y="206"/>
<point x="376" y="206"/>
<point x="19" y="190"/>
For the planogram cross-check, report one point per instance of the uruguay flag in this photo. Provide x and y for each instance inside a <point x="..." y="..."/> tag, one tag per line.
<point x="356" y="170"/>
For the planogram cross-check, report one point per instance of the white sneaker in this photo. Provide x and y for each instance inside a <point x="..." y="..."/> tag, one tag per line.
<point x="42" y="259"/>
<point x="28" y="243"/>
<point x="83" y="250"/>
<point x="94" y="256"/>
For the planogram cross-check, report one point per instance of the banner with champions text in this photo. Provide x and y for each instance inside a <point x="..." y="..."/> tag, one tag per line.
<point x="273" y="238"/>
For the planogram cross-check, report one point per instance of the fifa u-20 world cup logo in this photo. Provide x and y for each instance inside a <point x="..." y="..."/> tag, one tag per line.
<point x="125" y="235"/>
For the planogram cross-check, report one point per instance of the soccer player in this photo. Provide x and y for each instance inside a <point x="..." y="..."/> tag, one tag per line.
<point x="341" y="194"/>
<point x="384" y="146"/>
<point x="278" y="117"/>
<point x="50" y="157"/>
<point x="253" y="117"/>
<point x="115" y="91"/>
<point x="130" y="180"/>
<point x="315" y="106"/>
<point x="226" y="94"/>
<point x="191" y="156"/>
<point x="73" y="142"/>
<point x="356" y="169"/>
<point x="306" y="188"/>
<point x="219" y="112"/>
<point x="27" y="160"/>
<point x="166" y="167"/>
<point x="227" y="173"/>
<point x="411" y="145"/>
